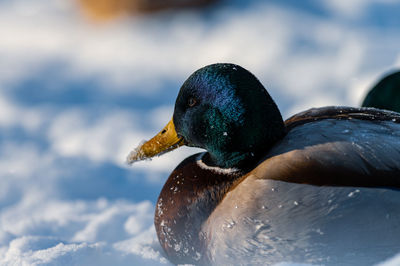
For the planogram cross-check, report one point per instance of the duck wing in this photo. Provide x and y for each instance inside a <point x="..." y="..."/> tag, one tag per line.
<point x="337" y="146"/>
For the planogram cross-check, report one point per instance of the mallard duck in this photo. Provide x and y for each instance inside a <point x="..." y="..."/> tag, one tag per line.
<point x="109" y="9"/>
<point x="320" y="187"/>
<point x="385" y="94"/>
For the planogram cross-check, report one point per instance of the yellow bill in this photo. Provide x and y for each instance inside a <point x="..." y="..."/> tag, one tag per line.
<point x="166" y="140"/>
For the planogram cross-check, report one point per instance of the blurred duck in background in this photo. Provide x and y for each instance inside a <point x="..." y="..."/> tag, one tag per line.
<point x="108" y="9"/>
<point x="385" y="94"/>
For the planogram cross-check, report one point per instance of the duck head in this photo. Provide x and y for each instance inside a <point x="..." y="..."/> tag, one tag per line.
<point x="224" y="109"/>
<point x="385" y="94"/>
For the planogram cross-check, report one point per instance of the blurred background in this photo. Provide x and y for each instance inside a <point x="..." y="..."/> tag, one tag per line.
<point x="82" y="82"/>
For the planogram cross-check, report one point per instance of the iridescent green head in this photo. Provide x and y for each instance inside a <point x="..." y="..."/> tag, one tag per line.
<point x="224" y="109"/>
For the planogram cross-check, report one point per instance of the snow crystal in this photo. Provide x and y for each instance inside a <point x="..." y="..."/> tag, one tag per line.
<point x="353" y="193"/>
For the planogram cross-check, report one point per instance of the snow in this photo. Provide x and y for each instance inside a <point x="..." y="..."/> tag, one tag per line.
<point x="77" y="96"/>
<point x="391" y="262"/>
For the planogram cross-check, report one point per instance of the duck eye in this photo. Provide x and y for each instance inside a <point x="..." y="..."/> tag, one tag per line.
<point x="192" y="102"/>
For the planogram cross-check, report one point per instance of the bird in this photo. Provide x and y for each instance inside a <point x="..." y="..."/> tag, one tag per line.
<point x="320" y="187"/>
<point x="385" y="94"/>
<point x="105" y="10"/>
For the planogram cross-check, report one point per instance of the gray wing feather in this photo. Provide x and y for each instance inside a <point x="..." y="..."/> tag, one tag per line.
<point x="337" y="152"/>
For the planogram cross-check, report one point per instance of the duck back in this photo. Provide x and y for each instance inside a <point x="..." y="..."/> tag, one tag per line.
<point x="339" y="147"/>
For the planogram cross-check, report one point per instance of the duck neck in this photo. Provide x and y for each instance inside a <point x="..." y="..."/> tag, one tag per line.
<point x="246" y="144"/>
<point x="189" y="196"/>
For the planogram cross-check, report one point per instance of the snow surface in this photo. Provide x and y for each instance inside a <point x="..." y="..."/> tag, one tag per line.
<point x="77" y="96"/>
